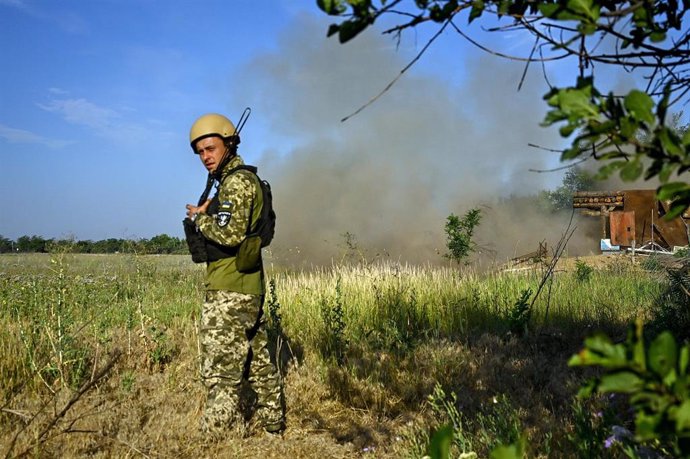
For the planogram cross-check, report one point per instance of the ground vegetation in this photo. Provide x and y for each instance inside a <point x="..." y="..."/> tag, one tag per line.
<point x="101" y="357"/>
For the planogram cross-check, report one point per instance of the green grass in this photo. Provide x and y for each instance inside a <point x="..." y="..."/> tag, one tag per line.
<point x="447" y="303"/>
<point x="373" y="342"/>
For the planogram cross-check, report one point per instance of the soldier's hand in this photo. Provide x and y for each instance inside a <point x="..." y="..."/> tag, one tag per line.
<point x="193" y="210"/>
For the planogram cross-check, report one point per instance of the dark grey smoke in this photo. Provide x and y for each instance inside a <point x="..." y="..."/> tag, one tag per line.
<point x="392" y="174"/>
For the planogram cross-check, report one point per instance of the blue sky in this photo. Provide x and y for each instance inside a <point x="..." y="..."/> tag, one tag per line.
<point x="96" y="100"/>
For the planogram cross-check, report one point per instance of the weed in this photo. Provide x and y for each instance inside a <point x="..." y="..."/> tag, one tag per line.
<point x="590" y="429"/>
<point x="671" y="310"/>
<point x="275" y="321"/>
<point x="127" y="381"/>
<point x="498" y="423"/>
<point x="519" y="315"/>
<point x="583" y="272"/>
<point x="163" y="350"/>
<point x="682" y="253"/>
<point x="445" y="408"/>
<point x="335" y="343"/>
<point x="459" y="232"/>
<point x="652" y="263"/>
<point x="619" y="266"/>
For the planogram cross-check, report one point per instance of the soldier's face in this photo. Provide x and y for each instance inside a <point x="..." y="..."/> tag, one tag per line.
<point x="211" y="151"/>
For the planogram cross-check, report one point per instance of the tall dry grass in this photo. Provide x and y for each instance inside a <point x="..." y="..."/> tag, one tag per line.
<point x="403" y="334"/>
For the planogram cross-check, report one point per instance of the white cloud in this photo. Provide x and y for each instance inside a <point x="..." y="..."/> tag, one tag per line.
<point x="118" y="125"/>
<point x="82" y="112"/>
<point x="57" y="91"/>
<point x="21" y="136"/>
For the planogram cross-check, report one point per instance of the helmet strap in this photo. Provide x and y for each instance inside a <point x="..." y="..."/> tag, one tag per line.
<point x="230" y="152"/>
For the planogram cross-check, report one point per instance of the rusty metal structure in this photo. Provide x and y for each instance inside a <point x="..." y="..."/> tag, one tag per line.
<point x="633" y="219"/>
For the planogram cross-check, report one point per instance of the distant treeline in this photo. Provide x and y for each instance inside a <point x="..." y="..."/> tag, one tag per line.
<point x="161" y="244"/>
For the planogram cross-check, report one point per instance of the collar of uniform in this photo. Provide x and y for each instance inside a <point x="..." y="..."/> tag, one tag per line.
<point x="233" y="163"/>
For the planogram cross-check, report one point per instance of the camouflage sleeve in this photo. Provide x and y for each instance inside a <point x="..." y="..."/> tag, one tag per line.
<point x="229" y="226"/>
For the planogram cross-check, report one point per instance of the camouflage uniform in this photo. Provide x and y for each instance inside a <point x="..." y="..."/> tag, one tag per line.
<point x="233" y="337"/>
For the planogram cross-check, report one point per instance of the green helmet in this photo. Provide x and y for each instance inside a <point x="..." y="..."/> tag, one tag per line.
<point x="209" y="125"/>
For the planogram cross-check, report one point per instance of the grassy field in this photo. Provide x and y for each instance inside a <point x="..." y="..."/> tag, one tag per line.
<point x="100" y="357"/>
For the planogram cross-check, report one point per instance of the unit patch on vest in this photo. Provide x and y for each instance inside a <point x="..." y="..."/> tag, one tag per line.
<point x="224" y="213"/>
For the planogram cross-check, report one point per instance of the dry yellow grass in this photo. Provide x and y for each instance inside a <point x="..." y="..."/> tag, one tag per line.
<point x="408" y="330"/>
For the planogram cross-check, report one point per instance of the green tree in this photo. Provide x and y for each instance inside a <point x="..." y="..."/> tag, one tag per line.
<point x="164" y="244"/>
<point x="632" y="132"/>
<point x="574" y="180"/>
<point x="459" y="232"/>
<point x="32" y="244"/>
<point x="6" y="245"/>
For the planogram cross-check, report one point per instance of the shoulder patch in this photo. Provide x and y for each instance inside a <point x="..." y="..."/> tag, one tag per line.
<point x="223" y="218"/>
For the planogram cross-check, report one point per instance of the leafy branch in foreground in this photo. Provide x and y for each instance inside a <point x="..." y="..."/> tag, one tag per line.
<point x="654" y="377"/>
<point x="630" y="132"/>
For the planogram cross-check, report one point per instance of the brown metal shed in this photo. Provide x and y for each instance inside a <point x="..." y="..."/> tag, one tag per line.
<point x="633" y="218"/>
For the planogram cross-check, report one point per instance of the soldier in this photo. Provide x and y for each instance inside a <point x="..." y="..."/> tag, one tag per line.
<point x="233" y="338"/>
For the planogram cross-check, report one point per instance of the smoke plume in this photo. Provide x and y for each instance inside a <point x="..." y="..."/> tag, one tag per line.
<point x="391" y="175"/>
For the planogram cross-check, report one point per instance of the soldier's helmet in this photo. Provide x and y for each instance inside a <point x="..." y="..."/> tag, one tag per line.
<point x="209" y="125"/>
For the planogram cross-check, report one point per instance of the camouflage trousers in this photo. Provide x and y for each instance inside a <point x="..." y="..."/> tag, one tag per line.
<point x="234" y="354"/>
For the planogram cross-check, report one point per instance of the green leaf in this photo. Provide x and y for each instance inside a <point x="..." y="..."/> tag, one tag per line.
<point x="513" y="451"/>
<point x="333" y="29"/>
<point x="656" y="37"/>
<point x="620" y="382"/>
<point x="439" y="448"/>
<point x="646" y="424"/>
<point x="585" y="11"/>
<point x="662" y="354"/>
<point x="332" y="7"/>
<point x="587" y="8"/>
<point x="566" y="130"/>
<point x="677" y="208"/>
<point x="668" y="191"/>
<point x="682" y="416"/>
<point x="351" y="28"/>
<point x="670" y="142"/>
<point x="503" y="7"/>
<point x="628" y="127"/>
<point x="506" y="452"/>
<point x="587" y="389"/>
<point x="683" y="360"/>
<point x="639" y="353"/>
<point x="640" y="106"/>
<point x="662" y="106"/>
<point x="605" y="171"/>
<point x="632" y="170"/>
<point x="549" y="10"/>
<point x="576" y="103"/>
<point x="477" y="10"/>
<point x="587" y="28"/>
<point x="600" y="351"/>
<point x="666" y="171"/>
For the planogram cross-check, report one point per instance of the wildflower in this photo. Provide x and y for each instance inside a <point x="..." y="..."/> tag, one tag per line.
<point x="618" y="435"/>
<point x="609" y="442"/>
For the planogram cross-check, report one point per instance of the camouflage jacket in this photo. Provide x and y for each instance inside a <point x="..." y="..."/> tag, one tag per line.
<point x="238" y="196"/>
